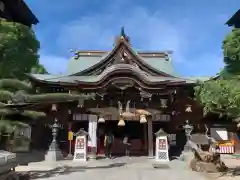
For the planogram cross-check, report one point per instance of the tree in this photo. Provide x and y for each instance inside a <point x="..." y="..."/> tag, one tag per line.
<point x="18" y="50"/>
<point x="231" y="51"/>
<point x="222" y="96"/>
<point x="39" y="69"/>
<point x="17" y="102"/>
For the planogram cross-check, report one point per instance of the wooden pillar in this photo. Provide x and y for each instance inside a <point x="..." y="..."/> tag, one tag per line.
<point x="92" y="141"/>
<point x="150" y="138"/>
<point x="145" y="137"/>
<point x="69" y="140"/>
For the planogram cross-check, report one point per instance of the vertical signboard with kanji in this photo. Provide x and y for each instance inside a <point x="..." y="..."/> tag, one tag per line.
<point x="80" y="153"/>
<point x="162" y="146"/>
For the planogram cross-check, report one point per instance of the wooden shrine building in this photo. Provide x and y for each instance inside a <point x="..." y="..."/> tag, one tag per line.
<point x="136" y="93"/>
<point x="234" y="21"/>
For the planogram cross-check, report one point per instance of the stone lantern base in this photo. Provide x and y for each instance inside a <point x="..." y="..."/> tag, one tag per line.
<point x="54" y="153"/>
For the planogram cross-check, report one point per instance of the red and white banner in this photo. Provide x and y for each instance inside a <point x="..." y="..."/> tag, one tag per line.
<point x="226" y="149"/>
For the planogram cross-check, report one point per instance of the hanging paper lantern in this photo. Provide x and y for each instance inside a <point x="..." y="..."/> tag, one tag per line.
<point x="238" y="125"/>
<point x="101" y="120"/>
<point x="188" y="108"/>
<point x="54" y="107"/>
<point x="143" y="118"/>
<point x="121" y="122"/>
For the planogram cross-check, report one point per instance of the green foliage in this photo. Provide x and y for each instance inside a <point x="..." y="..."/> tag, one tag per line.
<point x="222" y="96"/>
<point x="39" y="69"/>
<point x="16" y="96"/>
<point x="14" y="85"/>
<point x="231" y="51"/>
<point x="33" y="114"/>
<point x="18" y="50"/>
<point x="9" y="126"/>
<point x="57" y="97"/>
<point x="9" y="117"/>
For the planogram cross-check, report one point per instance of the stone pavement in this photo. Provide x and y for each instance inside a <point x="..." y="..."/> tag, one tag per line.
<point x="136" y="168"/>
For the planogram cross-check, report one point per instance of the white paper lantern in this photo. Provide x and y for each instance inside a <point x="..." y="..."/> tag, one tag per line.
<point x="54" y="107"/>
<point x="101" y="120"/>
<point x="143" y="118"/>
<point x="121" y="122"/>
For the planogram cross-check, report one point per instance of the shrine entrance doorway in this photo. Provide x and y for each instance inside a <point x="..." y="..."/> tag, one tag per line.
<point x="136" y="132"/>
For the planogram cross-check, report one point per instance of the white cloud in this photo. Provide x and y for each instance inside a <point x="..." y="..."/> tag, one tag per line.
<point x="204" y="65"/>
<point x="147" y="30"/>
<point x="54" y="64"/>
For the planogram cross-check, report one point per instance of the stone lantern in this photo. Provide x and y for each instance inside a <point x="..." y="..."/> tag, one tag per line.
<point x="54" y="153"/>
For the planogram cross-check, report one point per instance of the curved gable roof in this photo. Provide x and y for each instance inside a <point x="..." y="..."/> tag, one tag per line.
<point x="86" y="62"/>
<point x="114" y="69"/>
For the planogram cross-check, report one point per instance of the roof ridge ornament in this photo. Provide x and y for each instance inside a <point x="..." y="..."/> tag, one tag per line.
<point x="122" y="37"/>
<point x="123" y="32"/>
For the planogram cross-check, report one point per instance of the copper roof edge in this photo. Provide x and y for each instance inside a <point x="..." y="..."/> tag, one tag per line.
<point x="139" y="52"/>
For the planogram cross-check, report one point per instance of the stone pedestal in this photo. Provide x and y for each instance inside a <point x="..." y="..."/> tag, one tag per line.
<point x="93" y="153"/>
<point x="69" y="156"/>
<point x="186" y="154"/>
<point x="187" y="147"/>
<point x="54" y="153"/>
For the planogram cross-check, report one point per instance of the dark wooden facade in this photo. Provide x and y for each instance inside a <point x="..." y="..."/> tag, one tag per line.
<point x="17" y="11"/>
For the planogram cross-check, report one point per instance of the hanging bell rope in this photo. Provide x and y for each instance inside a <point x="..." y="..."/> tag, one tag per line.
<point x="127" y="114"/>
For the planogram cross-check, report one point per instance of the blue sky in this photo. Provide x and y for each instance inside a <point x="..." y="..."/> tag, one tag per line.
<point x="192" y="29"/>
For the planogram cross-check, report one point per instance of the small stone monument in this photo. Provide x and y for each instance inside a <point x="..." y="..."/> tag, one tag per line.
<point x="161" y="153"/>
<point x="80" y="153"/>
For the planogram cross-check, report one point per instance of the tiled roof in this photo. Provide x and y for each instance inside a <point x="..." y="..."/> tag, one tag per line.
<point x="97" y="78"/>
<point x="160" y="63"/>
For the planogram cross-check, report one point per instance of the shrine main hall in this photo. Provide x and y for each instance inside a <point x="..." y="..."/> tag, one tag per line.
<point x="135" y="94"/>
